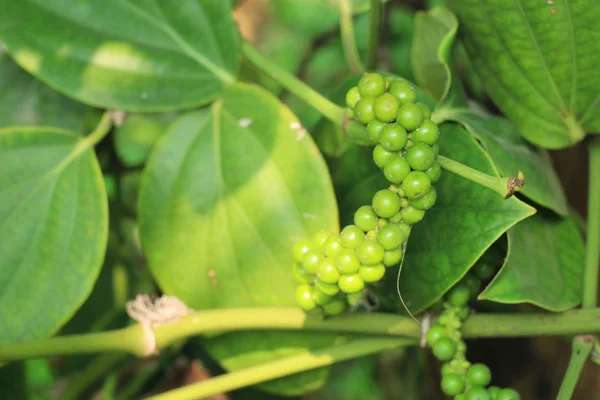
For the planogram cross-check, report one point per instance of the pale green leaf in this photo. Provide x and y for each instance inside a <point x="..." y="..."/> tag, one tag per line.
<point x="224" y="196"/>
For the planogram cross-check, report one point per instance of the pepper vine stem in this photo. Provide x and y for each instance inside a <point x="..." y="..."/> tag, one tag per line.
<point x="374" y="32"/>
<point x="347" y="33"/>
<point x="284" y="367"/>
<point x="506" y="187"/>
<point x="298" y="88"/>
<point x="211" y="322"/>
<point x="592" y="248"/>
<point x="582" y="347"/>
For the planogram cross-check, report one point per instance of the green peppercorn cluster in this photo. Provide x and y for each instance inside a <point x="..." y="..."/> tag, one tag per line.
<point x="333" y="269"/>
<point x="461" y="379"/>
<point x="406" y="139"/>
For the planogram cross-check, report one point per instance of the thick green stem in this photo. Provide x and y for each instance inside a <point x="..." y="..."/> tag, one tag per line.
<point x="284" y="367"/>
<point x="298" y="88"/>
<point x="348" y="42"/>
<point x="506" y="187"/>
<point x="592" y="247"/>
<point x="374" y="32"/>
<point x="582" y="347"/>
<point x="135" y="341"/>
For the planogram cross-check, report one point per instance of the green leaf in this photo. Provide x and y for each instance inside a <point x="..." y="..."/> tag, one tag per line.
<point x="134" y="139"/>
<point x="224" y="196"/>
<point x="538" y="61"/>
<point x="511" y="153"/>
<point x="53" y="208"/>
<point x="544" y="266"/>
<point x="25" y="101"/>
<point x="145" y="55"/>
<point x="466" y="220"/>
<point x="432" y="50"/>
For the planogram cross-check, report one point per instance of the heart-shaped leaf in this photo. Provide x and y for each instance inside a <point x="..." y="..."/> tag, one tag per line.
<point x="544" y="265"/>
<point x="25" y="101"/>
<point x="432" y="64"/>
<point x="137" y="56"/>
<point x="54" y="221"/>
<point x="224" y="196"/>
<point x="512" y="153"/>
<point x="464" y="222"/>
<point x="538" y="61"/>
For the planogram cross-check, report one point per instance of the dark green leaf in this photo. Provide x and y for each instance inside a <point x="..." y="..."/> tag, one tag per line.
<point x="544" y="265"/>
<point x="466" y="220"/>
<point x="25" y="101"/>
<point x="53" y="208"/>
<point x="432" y="51"/>
<point x="511" y="153"/>
<point x="225" y="195"/>
<point x="538" y="61"/>
<point x="134" y="139"/>
<point x="146" y="55"/>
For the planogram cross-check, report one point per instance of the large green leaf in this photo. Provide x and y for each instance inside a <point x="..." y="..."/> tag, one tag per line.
<point x="432" y="49"/>
<point x="25" y="101"/>
<point x="54" y="221"/>
<point x="544" y="265"/>
<point x="148" y="55"/>
<point x="466" y="220"/>
<point x="224" y="196"/>
<point x="538" y="61"/>
<point x="511" y="153"/>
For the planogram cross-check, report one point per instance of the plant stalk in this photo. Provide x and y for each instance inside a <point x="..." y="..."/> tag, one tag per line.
<point x="582" y="347"/>
<point x="348" y="42"/>
<point x="592" y="247"/>
<point x="298" y="88"/>
<point x="374" y="32"/>
<point x="283" y="367"/>
<point x="133" y="340"/>
<point x="506" y="187"/>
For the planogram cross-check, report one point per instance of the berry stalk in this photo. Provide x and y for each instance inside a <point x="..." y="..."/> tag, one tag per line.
<point x="506" y="187"/>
